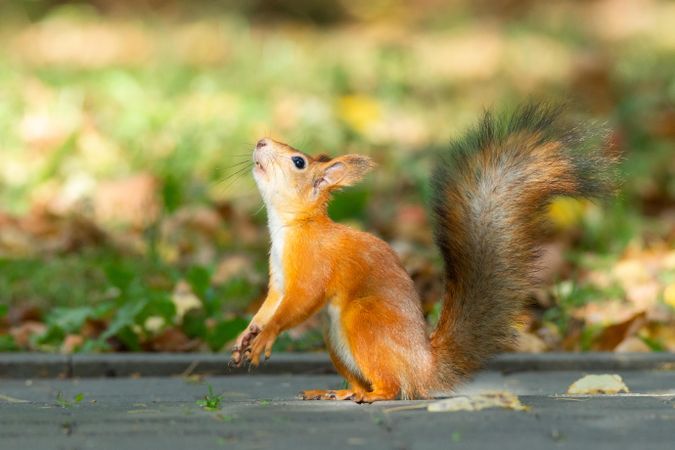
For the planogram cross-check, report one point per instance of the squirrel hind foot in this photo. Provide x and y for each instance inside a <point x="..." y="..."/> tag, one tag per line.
<point x="319" y="394"/>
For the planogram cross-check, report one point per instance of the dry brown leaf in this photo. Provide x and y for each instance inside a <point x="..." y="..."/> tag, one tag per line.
<point x="22" y="333"/>
<point x="632" y="344"/>
<point x="23" y="313"/>
<point x="173" y="340"/>
<point x="93" y="328"/>
<point x="71" y="343"/>
<point x="613" y="335"/>
<point x="606" y="313"/>
<point x="130" y="201"/>
<point x="530" y="343"/>
<point x="231" y="266"/>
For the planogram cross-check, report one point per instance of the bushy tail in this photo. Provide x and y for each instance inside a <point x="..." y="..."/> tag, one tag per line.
<point x="490" y="191"/>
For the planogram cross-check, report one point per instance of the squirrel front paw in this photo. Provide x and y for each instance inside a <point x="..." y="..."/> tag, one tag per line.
<point x="262" y="344"/>
<point x="243" y="343"/>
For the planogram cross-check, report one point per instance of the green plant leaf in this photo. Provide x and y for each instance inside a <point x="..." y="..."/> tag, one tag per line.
<point x="69" y="320"/>
<point x="124" y="318"/>
<point x="8" y="344"/>
<point x="349" y="204"/>
<point x="172" y="193"/>
<point x="129" y="338"/>
<point x="119" y="276"/>
<point x="225" y="331"/>
<point x="194" y="324"/>
<point x="199" y="278"/>
<point x="158" y="304"/>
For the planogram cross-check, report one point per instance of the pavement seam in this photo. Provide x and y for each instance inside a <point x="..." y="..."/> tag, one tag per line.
<point x="36" y="365"/>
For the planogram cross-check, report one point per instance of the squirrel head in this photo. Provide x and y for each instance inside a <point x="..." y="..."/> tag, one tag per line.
<point x="294" y="183"/>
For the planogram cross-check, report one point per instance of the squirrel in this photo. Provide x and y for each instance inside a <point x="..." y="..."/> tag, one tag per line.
<point x="490" y="191"/>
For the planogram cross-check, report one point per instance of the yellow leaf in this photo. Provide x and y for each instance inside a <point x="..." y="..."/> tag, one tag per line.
<point x="154" y="324"/>
<point x="566" y="212"/>
<point x="669" y="295"/>
<point x="360" y="112"/>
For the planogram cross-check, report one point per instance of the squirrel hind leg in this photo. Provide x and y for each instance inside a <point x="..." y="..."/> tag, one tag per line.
<point x="379" y="394"/>
<point x="356" y="387"/>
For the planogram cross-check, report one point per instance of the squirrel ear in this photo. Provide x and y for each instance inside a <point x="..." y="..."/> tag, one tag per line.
<point x="344" y="171"/>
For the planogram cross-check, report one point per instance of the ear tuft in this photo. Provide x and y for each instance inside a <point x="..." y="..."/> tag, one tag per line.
<point x="322" y="157"/>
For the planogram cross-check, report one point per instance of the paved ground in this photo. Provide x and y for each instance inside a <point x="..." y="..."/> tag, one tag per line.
<point x="260" y="411"/>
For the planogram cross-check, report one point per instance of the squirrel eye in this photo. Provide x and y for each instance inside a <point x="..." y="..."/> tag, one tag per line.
<point x="299" y="162"/>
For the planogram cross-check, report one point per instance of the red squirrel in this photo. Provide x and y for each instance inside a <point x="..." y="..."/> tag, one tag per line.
<point x="489" y="193"/>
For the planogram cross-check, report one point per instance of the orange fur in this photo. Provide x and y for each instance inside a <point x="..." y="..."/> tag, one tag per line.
<point x="376" y="310"/>
<point x="487" y="210"/>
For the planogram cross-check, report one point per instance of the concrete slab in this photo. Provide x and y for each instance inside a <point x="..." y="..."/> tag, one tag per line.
<point x="262" y="412"/>
<point x="35" y="365"/>
<point x="169" y="364"/>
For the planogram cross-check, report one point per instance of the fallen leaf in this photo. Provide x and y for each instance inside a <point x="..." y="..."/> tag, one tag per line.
<point x="566" y="212"/>
<point x="9" y="399"/>
<point x="632" y="344"/>
<point x="631" y="272"/>
<point x="644" y="295"/>
<point x="184" y="299"/>
<point x="530" y="343"/>
<point x="359" y="111"/>
<point x="663" y="334"/>
<point x="232" y="266"/>
<point x="499" y="399"/>
<point x="133" y="200"/>
<point x="669" y="295"/>
<point x="71" y="343"/>
<point x="154" y="324"/>
<point x="613" y="335"/>
<point x="598" y="384"/>
<point x="22" y="333"/>
<point x="173" y="340"/>
<point x="606" y="313"/>
<point x="23" y="313"/>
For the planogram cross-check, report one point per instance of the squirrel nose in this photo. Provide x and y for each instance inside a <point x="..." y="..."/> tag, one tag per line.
<point x="261" y="143"/>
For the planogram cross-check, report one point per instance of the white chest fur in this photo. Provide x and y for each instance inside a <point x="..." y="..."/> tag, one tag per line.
<point x="338" y="340"/>
<point x="277" y="234"/>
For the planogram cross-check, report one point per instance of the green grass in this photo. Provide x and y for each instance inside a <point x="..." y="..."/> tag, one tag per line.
<point x="211" y="401"/>
<point x="67" y="403"/>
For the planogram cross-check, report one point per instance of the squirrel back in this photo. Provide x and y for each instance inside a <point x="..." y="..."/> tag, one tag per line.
<point x="490" y="192"/>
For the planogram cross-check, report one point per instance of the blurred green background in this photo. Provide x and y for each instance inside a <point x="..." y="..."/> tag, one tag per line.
<point x="125" y="223"/>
